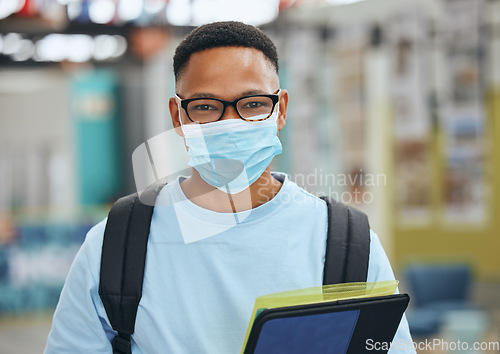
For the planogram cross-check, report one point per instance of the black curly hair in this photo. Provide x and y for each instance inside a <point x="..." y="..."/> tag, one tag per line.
<point x="223" y="34"/>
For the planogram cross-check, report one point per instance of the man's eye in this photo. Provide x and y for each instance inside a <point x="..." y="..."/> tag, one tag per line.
<point x="253" y="104"/>
<point x="204" y="107"/>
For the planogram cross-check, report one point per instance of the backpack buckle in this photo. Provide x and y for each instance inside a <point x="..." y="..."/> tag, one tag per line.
<point x="122" y="345"/>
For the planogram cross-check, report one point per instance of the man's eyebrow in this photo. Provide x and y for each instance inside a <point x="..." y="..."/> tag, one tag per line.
<point x="254" y="92"/>
<point x="211" y="95"/>
<point x="202" y="95"/>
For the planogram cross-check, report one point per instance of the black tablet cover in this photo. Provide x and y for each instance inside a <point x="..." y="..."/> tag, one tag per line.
<point x="343" y="326"/>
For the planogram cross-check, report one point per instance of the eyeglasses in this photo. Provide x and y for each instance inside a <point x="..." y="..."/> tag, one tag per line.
<point x="249" y="108"/>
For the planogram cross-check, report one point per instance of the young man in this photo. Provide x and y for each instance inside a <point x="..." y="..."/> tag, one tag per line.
<point x="261" y="233"/>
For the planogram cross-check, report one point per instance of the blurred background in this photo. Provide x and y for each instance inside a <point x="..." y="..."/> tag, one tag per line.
<point x="394" y="108"/>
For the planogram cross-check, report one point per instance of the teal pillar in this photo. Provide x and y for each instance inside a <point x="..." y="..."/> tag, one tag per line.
<point x="95" y="112"/>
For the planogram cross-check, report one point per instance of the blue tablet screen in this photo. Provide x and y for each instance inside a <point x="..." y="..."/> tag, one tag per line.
<point x="320" y="333"/>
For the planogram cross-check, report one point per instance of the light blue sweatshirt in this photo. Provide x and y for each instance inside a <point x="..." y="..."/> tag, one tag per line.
<point x="198" y="297"/>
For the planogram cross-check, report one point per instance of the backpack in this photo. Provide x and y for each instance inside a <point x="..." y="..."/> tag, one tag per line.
<point x="125" y="244"/>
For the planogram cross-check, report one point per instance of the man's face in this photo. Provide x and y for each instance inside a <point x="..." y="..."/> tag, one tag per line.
<point x="227" y="73"/>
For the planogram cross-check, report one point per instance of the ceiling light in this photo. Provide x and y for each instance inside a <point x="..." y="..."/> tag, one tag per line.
<point x="52" y="47"/>
<point x="129" y="10"/>
<point x="178" y="12"/>
<point x="198" y="12"/>
<point x="102" y="11"/>
<point x="25" y="51"/>
<point x="11" y="43"/>
<point x="80" y="48"/>
<point x="105" y="47"/>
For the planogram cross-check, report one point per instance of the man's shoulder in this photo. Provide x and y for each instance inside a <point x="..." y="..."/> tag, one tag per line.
<point x="96" y="233"/>
<point x="92" y="245"/>
<point x="297" y="195"/>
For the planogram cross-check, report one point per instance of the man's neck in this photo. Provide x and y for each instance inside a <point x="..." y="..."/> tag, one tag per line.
<point x="206" y="196"/>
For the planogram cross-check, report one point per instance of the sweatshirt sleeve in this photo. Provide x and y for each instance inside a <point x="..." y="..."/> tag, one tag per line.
<point x="379" y="269"/>
<point x="80" y="324"/>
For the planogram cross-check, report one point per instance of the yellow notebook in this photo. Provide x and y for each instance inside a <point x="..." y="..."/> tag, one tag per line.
<point x="319" y="294"/>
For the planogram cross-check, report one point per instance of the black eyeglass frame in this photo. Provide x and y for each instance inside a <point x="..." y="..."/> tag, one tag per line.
<point x="274" y="98"/>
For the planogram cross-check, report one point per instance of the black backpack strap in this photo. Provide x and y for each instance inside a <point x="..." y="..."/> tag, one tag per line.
<point x="348" y="244"/>
<point x="122" y="263"/>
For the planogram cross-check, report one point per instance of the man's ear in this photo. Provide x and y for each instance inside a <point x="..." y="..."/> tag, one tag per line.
<point x="283" y="105"/>
<point x="175" y="115"/>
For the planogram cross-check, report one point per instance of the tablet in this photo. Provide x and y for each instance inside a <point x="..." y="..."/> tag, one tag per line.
<point x="344" y="326"/>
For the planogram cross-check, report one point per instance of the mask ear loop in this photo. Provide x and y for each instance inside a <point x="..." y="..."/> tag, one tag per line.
<point x="180" y="118"/>
<point x="276" y="107"/>
<point x="276" y="112"/>
<point x="278" y="103"/>
<point x="179" y="108"/>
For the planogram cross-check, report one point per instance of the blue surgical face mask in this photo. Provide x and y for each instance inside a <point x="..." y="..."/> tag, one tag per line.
<point x="232" y="154"/>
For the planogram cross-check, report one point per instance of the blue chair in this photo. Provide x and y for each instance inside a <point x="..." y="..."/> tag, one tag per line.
<point x="436" y="289"/>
